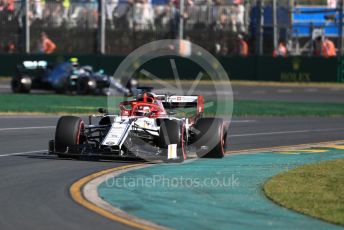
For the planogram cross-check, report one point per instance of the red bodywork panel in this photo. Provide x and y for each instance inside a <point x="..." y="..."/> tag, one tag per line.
<point x="146" y="105"/>
<point x="151" y="106"/>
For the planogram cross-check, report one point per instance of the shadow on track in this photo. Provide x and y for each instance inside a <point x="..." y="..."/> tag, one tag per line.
<point x="45" y="156"/>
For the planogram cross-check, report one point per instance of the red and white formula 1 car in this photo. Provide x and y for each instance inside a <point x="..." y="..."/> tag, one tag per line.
<point x="145" y="128"/>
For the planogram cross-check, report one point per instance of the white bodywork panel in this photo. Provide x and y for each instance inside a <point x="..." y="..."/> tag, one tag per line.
<point x="122" y="126"/>
<point x="117" y="133"/>
<point x="179" y="99"/>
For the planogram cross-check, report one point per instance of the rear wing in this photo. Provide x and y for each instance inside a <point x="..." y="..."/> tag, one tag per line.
<point x="170" y="102"/>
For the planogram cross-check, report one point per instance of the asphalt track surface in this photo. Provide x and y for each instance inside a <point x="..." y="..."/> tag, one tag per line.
<point x="34" y="186"/>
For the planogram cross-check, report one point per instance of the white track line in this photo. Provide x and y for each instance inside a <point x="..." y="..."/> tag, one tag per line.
<point x="242" y="121"/>
<point x="285" y="91"/>
<point x="29" y="116"/>
<point x="23" y="128"/>
<point x="285" y="132"/>
<point x="21" y="153"/>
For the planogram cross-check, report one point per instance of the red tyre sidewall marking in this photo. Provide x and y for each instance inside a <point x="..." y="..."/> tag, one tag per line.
<point x="222" y="142"/>
<point x="183" y="142"/>
<point x="81" y="125"/>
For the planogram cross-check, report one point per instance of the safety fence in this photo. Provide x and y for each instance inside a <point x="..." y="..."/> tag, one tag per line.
<point x="78" y="26"/>
<point x="120" y="26"/>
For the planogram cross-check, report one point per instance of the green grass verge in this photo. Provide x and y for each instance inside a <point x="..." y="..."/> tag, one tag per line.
<point x="50" y="103"/>
<point x="284" y="108"/>
<point x="63" y="104"/>
<point x="315" y="190"/>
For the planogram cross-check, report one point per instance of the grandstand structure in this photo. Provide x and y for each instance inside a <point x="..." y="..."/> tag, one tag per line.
<point x="309" y="22"/>
<point x="298" y="23"/>
<point x="119" y="26"/>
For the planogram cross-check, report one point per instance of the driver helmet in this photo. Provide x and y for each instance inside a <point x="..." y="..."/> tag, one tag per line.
<point x="149" y="97"/>
<point x="142" y="111"/>
<point x="74" y="61"/>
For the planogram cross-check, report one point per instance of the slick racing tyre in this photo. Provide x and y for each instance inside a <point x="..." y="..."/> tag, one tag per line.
<point x="65" y="86"/>
<point x="210" y="137"/>
<point x="172" y="132"/>
<point x="85" y="86"/>
<point x="68" y="132"/>
<point x="21" y="84"/>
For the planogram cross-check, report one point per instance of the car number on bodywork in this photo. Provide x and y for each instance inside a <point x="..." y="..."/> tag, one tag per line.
<point x="116" y="134"/>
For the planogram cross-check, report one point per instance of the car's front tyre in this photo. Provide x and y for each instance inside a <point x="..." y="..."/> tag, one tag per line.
<point x="86" y="85"/>
<point x="172" y="132"/>
<point x="68" y="132"/>
<point x="21" y="84"/>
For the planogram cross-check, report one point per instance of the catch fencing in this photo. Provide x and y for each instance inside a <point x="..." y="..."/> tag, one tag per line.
<point x="118" y="27"/>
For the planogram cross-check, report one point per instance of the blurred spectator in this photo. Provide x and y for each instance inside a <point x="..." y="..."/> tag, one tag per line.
<point x="3" y="5"/>
<point x="241" y="46"/>
<point x="280" y="50"/>
<point x="10" y="48"/>
<point x="143" y="15"/>
<point x="238" y="17"/>
<point x="220" y="28"/>
<point x="56" y="16"/>
<point x="111" y="5"/>
<point x="173" y="19"/>
<point x="7" y="8"/>
<point x="332" y="3"/>
<point x="66" y="6"/>
<point x="45" y="45"/>
<point x="328" y="48"/>
<point x="10" y="5"/>
<point x="221" y="24"/>
<point x="10" y="9"/>
<point x="161" y="16"/>
<point x="92" y="13"/>
<point x="325" y="47"/>
<point x="38" y="7"/>
<point x="79" y="10"/>
<point x="122" y="15"/>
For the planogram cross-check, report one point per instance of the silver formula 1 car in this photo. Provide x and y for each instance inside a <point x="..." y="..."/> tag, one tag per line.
<point x="147" y="128"/>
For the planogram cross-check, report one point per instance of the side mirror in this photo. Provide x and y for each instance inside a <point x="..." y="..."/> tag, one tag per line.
<point x="102" y="110"/>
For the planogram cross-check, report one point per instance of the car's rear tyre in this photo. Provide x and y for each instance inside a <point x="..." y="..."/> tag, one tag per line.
<point x="68" y="132"/>
<point x="210" y="137"/>
<point x="21" y="84"/>
<point x="173" y="132"/>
